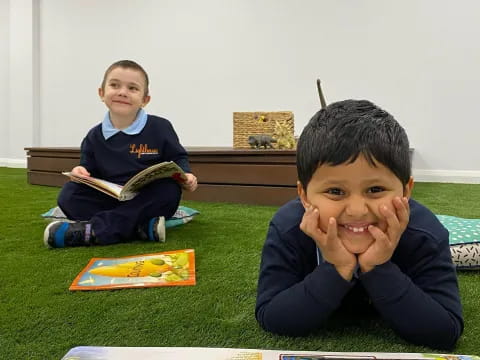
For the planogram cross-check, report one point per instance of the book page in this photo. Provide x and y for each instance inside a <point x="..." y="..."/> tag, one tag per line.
<point x="104" y="186"/>
<point x="152" y="173"/>
<point x="199" y="353"/>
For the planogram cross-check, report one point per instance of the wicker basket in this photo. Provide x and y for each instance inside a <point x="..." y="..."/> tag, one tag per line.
<point x="257" y="123"/>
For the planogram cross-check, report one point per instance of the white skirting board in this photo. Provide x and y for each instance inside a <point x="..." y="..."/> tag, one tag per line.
<point x="447" y="176"/>
<point x="13" y="163"/>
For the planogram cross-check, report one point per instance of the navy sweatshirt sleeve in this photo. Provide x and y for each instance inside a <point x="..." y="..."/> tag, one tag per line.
<point x="416" y="292"/>
<point x="288" y="302"/>
<point x="172" y="149"/>
<point x="87" y="155"/>
<point x="421" y="300"/>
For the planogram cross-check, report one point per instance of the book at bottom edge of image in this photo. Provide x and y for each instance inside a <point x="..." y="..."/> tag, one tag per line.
<point x="205" y="353"/>
<point x="168" y="268"/>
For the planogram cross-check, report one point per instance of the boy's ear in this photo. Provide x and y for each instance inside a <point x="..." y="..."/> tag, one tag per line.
<point x="302" y="195"/>
<point x="146" y="100"/>
<point x="100" y="93"/>
<point x="407" y="191"/>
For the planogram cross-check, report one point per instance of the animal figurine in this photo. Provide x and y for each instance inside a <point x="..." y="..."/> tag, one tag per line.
<point x="284" y="136"/>
<point x="257" y="141"/>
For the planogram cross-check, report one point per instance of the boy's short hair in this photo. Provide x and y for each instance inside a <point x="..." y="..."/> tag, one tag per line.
<point x="345" y="129"/>
<point x="127" y="64"/>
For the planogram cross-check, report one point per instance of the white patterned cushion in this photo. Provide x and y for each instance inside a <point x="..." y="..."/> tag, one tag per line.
<point x="464" y="241"/>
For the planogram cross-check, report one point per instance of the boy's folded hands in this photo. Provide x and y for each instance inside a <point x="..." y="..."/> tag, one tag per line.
<point x="386" y="238"/>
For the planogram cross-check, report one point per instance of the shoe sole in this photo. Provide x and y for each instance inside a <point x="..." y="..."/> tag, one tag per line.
<point x="46" y="234"/>
<point x="161" y="229"/>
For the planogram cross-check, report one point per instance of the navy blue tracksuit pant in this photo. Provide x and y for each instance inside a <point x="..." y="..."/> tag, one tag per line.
<point x="116" y="221"/>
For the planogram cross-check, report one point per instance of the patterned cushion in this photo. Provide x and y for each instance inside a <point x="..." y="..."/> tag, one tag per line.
<point x="464" y="241"/>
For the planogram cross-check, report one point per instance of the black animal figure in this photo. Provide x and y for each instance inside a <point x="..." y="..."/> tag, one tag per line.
<point x="257" y="141"/>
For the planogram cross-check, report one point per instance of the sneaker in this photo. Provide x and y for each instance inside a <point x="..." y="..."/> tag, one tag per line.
<point x="153" y="230"/>
<point x="59" y="234"/>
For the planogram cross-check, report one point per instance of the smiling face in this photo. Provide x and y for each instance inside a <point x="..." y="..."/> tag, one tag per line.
<point x="124" y="93"/>
<point x="352" y="194"/>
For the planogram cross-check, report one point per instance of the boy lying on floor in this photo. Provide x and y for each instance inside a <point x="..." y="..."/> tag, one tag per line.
<point x="354" y="239"/>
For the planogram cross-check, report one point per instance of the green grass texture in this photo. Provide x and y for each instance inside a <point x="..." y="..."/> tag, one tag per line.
<point x="41" y="319"/>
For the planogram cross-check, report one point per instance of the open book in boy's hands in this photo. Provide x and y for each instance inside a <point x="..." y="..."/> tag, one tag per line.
<point x="132" y="186"/>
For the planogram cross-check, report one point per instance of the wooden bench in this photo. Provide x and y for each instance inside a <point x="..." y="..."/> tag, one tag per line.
<point x="260" y="177"/>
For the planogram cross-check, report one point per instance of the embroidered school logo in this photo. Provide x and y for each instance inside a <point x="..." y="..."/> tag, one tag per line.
<point x="142" y="149"/>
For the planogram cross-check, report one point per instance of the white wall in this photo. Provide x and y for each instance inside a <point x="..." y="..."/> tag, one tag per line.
<point x="206" y="59"/>
<point x="4" y="79"/>
<point x="22" y="128"/>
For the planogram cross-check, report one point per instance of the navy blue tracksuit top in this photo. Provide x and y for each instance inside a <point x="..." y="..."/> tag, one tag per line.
<point x="416" y="292"/>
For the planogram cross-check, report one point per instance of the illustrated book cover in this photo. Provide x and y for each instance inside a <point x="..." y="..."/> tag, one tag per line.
<point x="168" y="268"/>
<point x="204" y="353"/>
<point x="134" y="184"/>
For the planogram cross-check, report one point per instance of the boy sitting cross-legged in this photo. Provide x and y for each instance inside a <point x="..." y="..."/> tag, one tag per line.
<point x="127" y="141"/>
<point x="354" y="239"/>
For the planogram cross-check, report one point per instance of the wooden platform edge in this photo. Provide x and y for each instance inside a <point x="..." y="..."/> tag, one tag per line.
<point x="258" y="177"/>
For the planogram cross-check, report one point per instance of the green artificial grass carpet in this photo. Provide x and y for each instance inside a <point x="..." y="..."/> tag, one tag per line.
<point x="41" y="319"/>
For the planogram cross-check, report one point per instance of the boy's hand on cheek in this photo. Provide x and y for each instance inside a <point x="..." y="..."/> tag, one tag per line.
<point x="385" y="243"/>
<point x="330" y="245"/>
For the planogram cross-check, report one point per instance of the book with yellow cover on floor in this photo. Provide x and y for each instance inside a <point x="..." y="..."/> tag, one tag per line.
<point x="132" y="186"/>
<point x="168" y="268"/>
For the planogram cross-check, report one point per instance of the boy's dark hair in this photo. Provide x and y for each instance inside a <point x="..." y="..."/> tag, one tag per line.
<point x="127" y="64"/>
<point x="345" y="129"/>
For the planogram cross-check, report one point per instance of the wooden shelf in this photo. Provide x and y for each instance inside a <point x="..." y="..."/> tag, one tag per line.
<point x="261" y="177"/>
